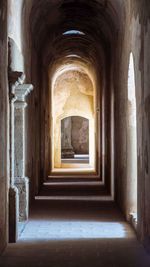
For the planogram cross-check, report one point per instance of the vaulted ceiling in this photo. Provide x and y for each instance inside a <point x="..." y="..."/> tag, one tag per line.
<point x="99" y="20"/>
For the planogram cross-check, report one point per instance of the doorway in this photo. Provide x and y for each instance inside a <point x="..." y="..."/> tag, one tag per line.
<point x="75" y="140"/>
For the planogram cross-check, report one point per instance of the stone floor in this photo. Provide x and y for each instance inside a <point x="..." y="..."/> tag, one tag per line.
<point x="75" y="234"/>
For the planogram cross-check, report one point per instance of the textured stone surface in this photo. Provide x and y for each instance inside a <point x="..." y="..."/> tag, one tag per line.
<point x="15" y="78"/>
<point x="80" y="135"/>
<point x="20" y="181"/>
<point x="75" y="135"/>
<point x="66" y="142"/>
<point x="22" y="184"/>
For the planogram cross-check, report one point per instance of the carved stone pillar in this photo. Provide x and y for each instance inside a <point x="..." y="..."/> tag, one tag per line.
<point x="18" y="192"/>
<point x="15" y="78"/>
<point x="21" y="181"/>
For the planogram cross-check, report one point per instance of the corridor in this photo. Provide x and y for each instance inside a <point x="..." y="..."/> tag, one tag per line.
<point x="74" y="133"/>
<point x="74" y="234"/>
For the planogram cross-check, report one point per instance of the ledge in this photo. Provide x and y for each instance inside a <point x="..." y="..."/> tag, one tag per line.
<point x="133" y="220"/>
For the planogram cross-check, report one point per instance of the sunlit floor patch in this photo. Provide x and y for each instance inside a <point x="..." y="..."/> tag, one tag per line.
<point x="65" y="230"/>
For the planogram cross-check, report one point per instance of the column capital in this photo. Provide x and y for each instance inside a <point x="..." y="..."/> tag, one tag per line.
<point x="22" y="90"/>
<point x="15" y="78"/>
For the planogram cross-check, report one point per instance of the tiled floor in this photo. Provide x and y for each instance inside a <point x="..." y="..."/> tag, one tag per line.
<point x="75" y="234"/>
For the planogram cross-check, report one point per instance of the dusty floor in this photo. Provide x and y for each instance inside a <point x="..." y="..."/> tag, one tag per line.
<point x="75" y="234"/>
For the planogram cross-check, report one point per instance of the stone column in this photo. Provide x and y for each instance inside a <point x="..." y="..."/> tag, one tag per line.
<point x="21" y="181"/>
<point x="67" y="149"/>
<point x="15" y="78"/>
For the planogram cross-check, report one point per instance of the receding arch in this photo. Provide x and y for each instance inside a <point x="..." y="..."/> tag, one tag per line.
<point x="73" y="93"/>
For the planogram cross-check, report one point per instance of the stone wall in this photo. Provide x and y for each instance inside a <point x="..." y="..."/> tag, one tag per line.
<point x="142" y="56"/>
<point x="136" y="39"/>
<point x="23" y="58"/>
<point x="80" y="135"/>
<point x="4" y="162"/>
<point x="75" y="135"/>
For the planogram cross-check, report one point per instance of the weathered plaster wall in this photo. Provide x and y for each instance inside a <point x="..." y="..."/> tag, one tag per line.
<point x="4" y="160"/>
<point x="75" y="134"/>
<point x="80" y="135"/>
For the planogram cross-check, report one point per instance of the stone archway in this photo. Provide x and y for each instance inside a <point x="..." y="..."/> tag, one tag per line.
<point x="73" y="94"/>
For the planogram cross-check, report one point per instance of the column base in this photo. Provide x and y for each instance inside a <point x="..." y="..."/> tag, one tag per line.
<point x="22" y="184"/>
<point x="67" y="153"/>
<point x="13" y="214"/>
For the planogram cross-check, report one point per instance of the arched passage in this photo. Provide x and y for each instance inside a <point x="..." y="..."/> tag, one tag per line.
<point x="73" y="93"/>
<point x="70" y="42"/>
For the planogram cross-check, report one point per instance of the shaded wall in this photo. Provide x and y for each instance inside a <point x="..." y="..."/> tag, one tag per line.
<point x="22" y="57"/>
<point x="75" y="133"/>
<point x="136" y="39"/>
<point x="4" y="161"/>
<point x="80" y="135"/>
<point x="46" y="35"/>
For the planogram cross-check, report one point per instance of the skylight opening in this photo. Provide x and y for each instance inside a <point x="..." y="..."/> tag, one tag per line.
<point x="73" y="32"/>
<point x="73" y="55"/>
